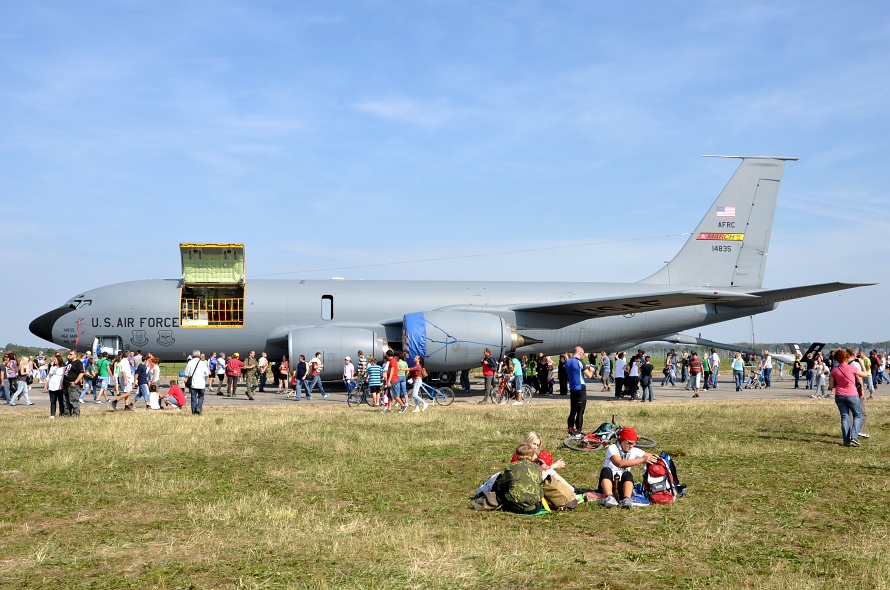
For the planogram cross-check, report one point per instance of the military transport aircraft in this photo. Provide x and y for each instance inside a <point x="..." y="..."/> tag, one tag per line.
<point x="716" y="276"/>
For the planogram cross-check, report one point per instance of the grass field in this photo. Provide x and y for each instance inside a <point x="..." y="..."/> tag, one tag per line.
<point x="328" y="497"/>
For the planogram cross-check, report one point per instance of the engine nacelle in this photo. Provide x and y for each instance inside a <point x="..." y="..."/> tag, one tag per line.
<point x="454" y="340"/>
<point x="335" y="344"/>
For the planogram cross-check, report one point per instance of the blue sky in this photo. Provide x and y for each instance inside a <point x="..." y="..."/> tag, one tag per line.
<point x="329" y="137"/>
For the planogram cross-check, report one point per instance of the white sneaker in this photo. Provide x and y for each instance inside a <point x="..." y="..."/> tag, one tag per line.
<point x="425" y="406"/>
<point x="416" y="410"/>
<point x="517" y="403"/>
<point x="863" y="435"/>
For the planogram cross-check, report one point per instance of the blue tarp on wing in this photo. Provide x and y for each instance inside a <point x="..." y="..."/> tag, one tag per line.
<point x="414" y="336"/>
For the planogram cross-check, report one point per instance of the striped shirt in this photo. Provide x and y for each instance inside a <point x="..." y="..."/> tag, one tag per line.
<point x="374" y="374"/>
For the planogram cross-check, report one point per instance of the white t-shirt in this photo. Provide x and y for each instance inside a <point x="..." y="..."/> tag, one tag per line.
<point x="634" y="369"/>
<point x="619" y="368"/>
<point x="198" y="371"/>
<point x="614" y="451"/>
<point x="715" y="361"/>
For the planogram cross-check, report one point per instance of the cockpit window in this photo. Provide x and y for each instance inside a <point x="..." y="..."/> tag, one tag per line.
<point x="77" y="303"/>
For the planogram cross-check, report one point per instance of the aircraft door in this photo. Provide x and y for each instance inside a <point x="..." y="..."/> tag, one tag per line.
<point x="110" y="344"/>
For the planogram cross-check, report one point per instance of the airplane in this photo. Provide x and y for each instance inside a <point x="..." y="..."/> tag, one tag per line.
<point x="787" y="358"/>
<point x="716" y="276"/>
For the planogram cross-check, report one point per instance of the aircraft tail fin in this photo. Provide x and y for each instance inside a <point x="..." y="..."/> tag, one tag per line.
<point x="729" y="246"/>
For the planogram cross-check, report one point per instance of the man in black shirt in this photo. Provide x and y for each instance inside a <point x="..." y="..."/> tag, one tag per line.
<point x="71" y="385"/>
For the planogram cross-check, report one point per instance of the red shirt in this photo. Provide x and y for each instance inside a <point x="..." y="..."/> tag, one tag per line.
<point x="233" y="367"/>
<point x="695" y="366"/>
<point x="177" y="394"/>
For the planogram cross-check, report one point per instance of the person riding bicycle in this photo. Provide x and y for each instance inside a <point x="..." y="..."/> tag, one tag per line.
<point x="620" y="457"/>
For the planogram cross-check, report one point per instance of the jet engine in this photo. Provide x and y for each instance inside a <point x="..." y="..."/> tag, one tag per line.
<point x="334" y="344"/>
<point x="454" y="340"/>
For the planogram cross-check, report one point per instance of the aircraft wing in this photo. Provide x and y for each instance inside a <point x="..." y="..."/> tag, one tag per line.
<point x="609" y="306"/>
<point x="771" y="296"/>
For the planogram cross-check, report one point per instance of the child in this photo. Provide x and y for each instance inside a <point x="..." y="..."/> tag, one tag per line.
<point x="521" y="486"/>
<point x="175" y="398"/>
<point x="620" y="458"/>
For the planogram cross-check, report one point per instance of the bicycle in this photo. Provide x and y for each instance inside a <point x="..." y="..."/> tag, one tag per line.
<point x="605" y="435"/>
<point x="441" y="395"/>
<point x="504" y="391"/>
<point x="360" y="394"/>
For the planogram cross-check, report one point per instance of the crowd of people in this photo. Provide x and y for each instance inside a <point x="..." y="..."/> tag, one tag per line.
<point x="130" y="376"/>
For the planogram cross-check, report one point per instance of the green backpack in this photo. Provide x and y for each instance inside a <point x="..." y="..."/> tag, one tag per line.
<point x="521" y="486"/>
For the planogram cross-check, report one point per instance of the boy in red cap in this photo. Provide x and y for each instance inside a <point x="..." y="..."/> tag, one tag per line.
<point x="620" y="457"/>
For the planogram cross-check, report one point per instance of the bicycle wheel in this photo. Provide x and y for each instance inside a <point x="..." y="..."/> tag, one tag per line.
<point x="498" y="395"/>
<point x="579" y="444"/>
<point x="644" y="442"/>
<point x="527" y="393"/>
<point x="353" y="400"/>
<point x="366" y="396"/>
<point x="444" y="396"/>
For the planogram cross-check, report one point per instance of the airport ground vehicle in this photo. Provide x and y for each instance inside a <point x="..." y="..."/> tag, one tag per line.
<point x="503" y="390"/>
<point x="604" y="436"/>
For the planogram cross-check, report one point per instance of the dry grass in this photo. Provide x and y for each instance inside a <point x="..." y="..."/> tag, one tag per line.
<point x="328" y="497"/>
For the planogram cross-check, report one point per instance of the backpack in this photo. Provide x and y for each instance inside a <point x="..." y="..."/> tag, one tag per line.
<point x="520" y="486"/>
<point x="660" y="483"/>
<point x="559" y="494"/>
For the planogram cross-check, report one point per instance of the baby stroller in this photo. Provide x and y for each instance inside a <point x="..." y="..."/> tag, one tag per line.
<point x="753" y="380"/>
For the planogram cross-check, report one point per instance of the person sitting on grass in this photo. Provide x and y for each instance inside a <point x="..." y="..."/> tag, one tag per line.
<point x="520" y="488"/>
<point x="620" y="458"/>
<point x="174" y="398"/>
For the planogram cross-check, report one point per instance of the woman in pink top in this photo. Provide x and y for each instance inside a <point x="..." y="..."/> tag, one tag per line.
<point x="843" y="382"/>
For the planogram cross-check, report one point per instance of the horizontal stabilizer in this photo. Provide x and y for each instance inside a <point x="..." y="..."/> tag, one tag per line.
<point x="772" y="296"/>
<point x="609" y="306"/>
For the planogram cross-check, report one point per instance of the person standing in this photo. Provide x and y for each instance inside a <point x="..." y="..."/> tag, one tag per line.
<point x="103" y="376"/>
<point x="199" y="372"/>
<point x="738" y="370"/>
<point x="348" y="375"/>
<point x="233" y="374"/>
<point x="143" y="378"/>
<point x="415" y="372"/>
<point x="575" y="374"/>
<point x="489" y="364"/>
<point x="262" y="367"/>
<point x="54" y="385"/>
<point x="283" y="374"/>
<point x="715" y="368"/>
<point x="766" y="366"/>
<point x="221" y="363"/>
<point x="695" y="372"/>
<point x="211" y="366"/>
<point x="300" y="373"/>
<point x="71" y="385"/>
<point x="561" y="374"/>
<point x="620" y="364"/>
<point x="842" y="381"/>
<point x="646" y="377"/>
<point x="545" y="366"/>
<point x="606" y="371"/>
<point x="250" y="373"/>
<point x="516" y="366"/>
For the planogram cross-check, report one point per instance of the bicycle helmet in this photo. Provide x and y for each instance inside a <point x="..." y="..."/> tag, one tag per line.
<point x="628" y="434"/>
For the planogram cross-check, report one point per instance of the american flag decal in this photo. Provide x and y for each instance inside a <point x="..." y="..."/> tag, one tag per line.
<point x="725" y="211"/>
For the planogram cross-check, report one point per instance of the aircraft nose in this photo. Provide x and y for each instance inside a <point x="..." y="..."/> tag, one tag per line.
<point x="42" y="327"/>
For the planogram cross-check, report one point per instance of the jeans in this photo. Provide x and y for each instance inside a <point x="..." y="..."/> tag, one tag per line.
<point x="767" y="374"/>
<point x="316" y="379"/>
<point x="669" y="378"/>
<point x="810" y="374"/>
<point x="739" y="377"/>
<point x="298" y="389"/>
<point x="465" y="380"/>
<point x="797" y="380"/>
<point x="400" y="388"/>
<point x="847" y="405"/>
<point x="714" y="373"/>
<point x="197" y="400"/>
<point x="415" y="393"/>
<point x="143" y="392"/>
<point x="21" y="388"/>
<point x="517" y="383"/>
<point x="88" y="384"/>
<point x="5" y="389"/>
<point x="646" y="384"/>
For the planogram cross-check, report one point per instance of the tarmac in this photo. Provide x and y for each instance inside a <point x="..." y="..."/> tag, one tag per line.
<point x="781" y="389"/>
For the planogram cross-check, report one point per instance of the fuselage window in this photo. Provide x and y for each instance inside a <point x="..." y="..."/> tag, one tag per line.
<point x="327" y="307"/>
<point x="79" y="303"/>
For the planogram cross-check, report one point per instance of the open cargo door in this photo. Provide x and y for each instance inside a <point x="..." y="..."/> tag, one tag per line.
<point x="212" y="294"/>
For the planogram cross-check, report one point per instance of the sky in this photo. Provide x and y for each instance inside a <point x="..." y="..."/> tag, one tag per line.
<point x="457" y="140"/>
